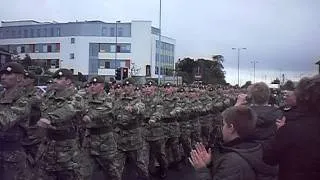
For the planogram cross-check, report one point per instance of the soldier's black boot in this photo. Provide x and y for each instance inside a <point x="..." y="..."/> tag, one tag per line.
<point x="163" y="173"/>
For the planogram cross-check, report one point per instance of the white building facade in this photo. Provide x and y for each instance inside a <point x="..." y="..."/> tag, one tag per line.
<point x="92" y="47"/>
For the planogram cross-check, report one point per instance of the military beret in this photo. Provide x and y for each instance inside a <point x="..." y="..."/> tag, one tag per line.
<point x="96" y="79"/>
<point x="28" y="74"/>
<point x="63" y="73"/>
<point x="211" y="89"/>
<point x="191" y="90"/>
<point x="49" y="81"/>
<point x="168" y="85"/>
<point x="150" y="83"/>
<point x="181" y="90"/>
<point x="12" y="67"/>
<point x="126" y="83"/>
<point x="137" y="88"/>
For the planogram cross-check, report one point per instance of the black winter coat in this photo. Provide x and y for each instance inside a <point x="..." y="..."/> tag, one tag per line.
<point x="296" y="148"/>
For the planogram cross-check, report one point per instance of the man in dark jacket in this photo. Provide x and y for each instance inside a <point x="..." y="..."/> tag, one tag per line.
<point x="296" y="146"/>
<point x="241" y="158"/>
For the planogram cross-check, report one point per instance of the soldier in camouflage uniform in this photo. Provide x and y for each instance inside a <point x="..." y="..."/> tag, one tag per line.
<point x="14" y="110"/>
<point x="167" y="113"/>
<point x="33" y="138"/>
<point x="60" y="155"/>
<point x="194" y="106"/>
<point x="100" y="140"/>
<point x="154" y="134"/>
<point x="206" y="117"/>
<point x="128" y="113"/>
<point x="184" y="121"/>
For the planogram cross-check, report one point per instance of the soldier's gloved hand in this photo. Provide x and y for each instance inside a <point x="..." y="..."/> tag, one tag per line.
<point x="86" y="119"/>
<point x="151" y="121"/>
<point x="128" y="108"/>
<point x="45" y="123"/>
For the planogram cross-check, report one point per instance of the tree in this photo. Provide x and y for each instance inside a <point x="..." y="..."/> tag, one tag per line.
<point x="210" y="71"/>
<point x="289" y="85"/>
<point x="246" y="85"/>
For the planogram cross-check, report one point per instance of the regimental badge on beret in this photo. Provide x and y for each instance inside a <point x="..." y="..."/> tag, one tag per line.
<point x="27" y="74"/>
<point x="9" y="69"/>
<point x="94" y="80"/>
<point x="60" y="73"/>
<point x="150" y="83"/>
<point x="127" y="82"/>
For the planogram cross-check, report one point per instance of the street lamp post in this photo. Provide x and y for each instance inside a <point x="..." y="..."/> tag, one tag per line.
<point x="159" y="46"/>
<point x="115" y="52"/>
<point x="254" y="70"/>
<point x="239" y="49"/>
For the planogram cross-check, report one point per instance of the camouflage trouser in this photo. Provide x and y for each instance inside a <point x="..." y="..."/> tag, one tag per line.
<point x="195" y="132"/>
<point x="172" y="145"/>
<point x="61" y="175"/>
<point x="139" y="160"/>
<point x="103" y="153"/>
<point x="205" y="133"/>
<point x="13" y="166"/>
<point x="172" y="131"/>
<point x="185" y="140"/>
<point x="61" y="160"/>
<point x="157" y="153"/>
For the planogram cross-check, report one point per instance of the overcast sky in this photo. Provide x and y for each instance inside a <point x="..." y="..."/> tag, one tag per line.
<point x="283" y="35"/>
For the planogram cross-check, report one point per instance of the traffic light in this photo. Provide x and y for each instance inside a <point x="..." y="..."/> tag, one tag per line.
<point x="118" y="74"/>
<point x="125" y="73"/>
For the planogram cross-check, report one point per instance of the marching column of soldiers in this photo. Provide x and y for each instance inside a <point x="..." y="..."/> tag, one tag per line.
<point x="71" y="134"/>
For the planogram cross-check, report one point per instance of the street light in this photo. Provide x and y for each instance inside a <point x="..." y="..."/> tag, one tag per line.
<point x="254" y="70"/>
<point x="115" y="52"/>
<point x="239" y="49"/>
<point x="159" y="63"/>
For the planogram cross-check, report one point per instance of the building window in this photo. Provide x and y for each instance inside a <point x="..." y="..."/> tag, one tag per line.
<point x="71" y="55"/>
<point x="57" y="47"/>
<point x="23" y="50"/>
<point x="107" y="65"/>
<point x="13" y="33"/>
<point x="49" y="48"/>
<point x="120" y="31"/>
<point x="1" y="35"/>
<point x="25" y="33"/>
<point x="148" y="70"/>
<point x="73" y="40"/>
<point x="104" y="31"/>
<point x="31" y="33"/>
<point x="51" y="32"/>
<point x="19" y="33"/>
<point x="58" y="32"/>
<point x="44" y="48"/>
<point x="37" y="48"/>
<point x="156" y="70"/>
<point x="45" y="32"/>
<point x="38" y="32"/>
<point x="112" y="34"/>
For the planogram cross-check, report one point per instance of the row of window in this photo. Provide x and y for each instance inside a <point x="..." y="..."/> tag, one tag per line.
<point x="33" y="48"/>
<point x="113" y="64"/>
<point x="169" y="60"/>
<point x="112" y="48"/>
<point x="30" y="33"/>
<point x="51" y="63"/>
<point x="165" y="46"/>
<point x="168" y="71"/>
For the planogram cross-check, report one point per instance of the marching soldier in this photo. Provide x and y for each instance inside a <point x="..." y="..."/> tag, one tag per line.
<point x="100" y="140"/>
<point x="14" y="110"/>
<point x="60" y="155"/>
